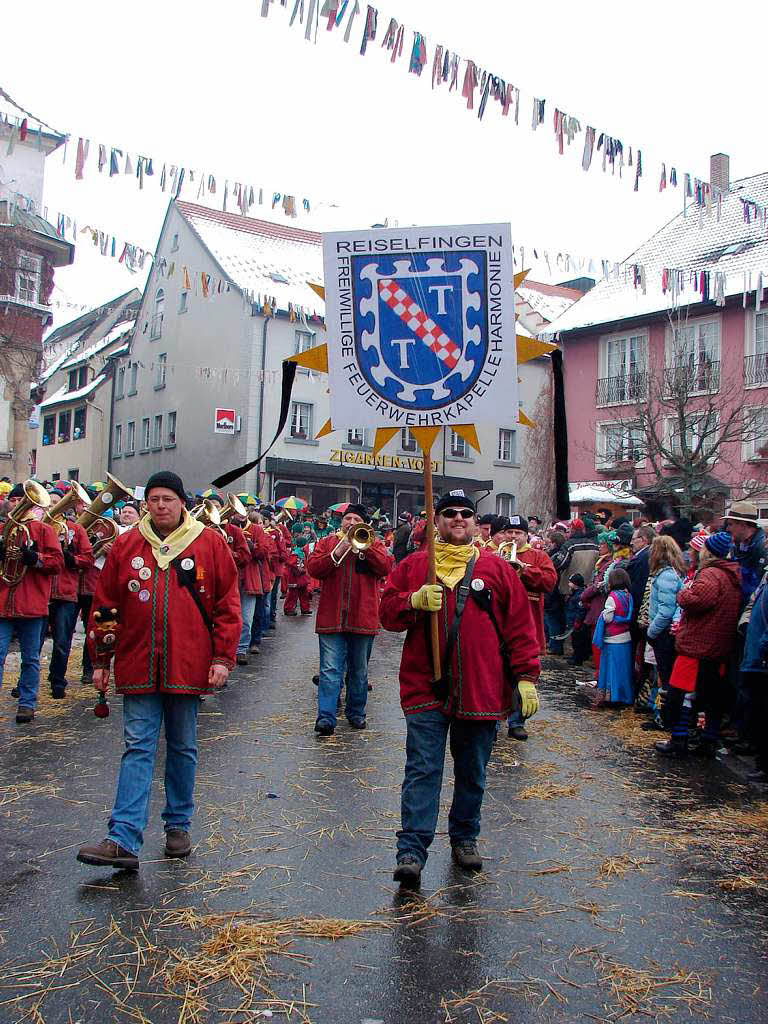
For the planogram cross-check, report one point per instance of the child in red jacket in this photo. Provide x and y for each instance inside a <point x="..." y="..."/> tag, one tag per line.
<point x="298" y="581"/>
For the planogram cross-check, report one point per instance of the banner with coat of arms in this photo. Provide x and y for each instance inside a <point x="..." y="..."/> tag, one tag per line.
<point x="420" y="326"/>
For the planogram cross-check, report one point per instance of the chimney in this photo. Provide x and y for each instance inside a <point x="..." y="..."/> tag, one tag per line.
<point x="719" y="171"/>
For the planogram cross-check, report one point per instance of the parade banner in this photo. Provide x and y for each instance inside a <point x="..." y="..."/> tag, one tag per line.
<point x="421" y="326"/>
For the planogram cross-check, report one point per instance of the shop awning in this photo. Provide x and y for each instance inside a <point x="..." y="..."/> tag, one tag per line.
<point x="323" y="473"/>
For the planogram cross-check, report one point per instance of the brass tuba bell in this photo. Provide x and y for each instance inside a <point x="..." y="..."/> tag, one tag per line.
<point x="16" y="532"/>
<point x="102" y="530"/>
<point x="55" y="516"/>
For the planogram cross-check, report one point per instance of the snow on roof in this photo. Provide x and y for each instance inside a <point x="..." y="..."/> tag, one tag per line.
<point x="268" y="259"/>
<point x="617" y="492"/>
<point x="697" y="241"/>
<point x="49" y="371"/>
<point x="113" y="335"/>
<point x="63" y="395"/>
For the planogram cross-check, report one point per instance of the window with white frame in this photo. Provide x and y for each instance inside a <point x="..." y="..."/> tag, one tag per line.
<point x="407" y="441"/>
<point x="507" y="445"/>
<point x="458" y="446"/>
<point x="156" y="325"/>
<point x="118" y="439"/>
<point x="28" y="279"/>
<point x="301" y="420"/>
<point x="161" y="364"/>
<point x="130" y="437"/>
<point x="756" y="355"/>
<point x="356" y="437"/>
<point x="693" y="350"/>
<point x="701" y="434"/>
<point x="304" y="341"/>
<point x="145" y="432"/>
<point x="505" y="504"/>
<point x="617" y="443"/>
<point x="133" y="377"/>
<point x="170" y="430"/>
<point x="755" y="436"/>
<point x="157" y="431"/>
<point x="623" y="369"/>
<point x="120" y="383"/>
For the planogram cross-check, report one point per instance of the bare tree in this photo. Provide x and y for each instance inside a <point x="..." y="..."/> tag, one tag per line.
<point x="537" y="476"/>
<point x="685" y="419"/>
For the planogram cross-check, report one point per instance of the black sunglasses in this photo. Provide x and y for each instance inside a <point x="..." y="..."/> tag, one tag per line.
<point x="452" y="513"/>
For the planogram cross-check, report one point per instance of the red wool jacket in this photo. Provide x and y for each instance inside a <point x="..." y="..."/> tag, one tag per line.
<point x="29" y="598"/>
<point x="66" y="585"/>
<point x="258" y="554"/>
<point x="480" y="689"/>
<point x="238" y="547"/>
<point x="711" y="606"/>
<point x="349" y="599"/>
<point x="163" y="644"/>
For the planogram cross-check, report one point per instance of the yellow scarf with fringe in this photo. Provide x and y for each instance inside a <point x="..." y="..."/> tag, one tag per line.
<point x="165" y="549"/>
<point x="451" y="562"/>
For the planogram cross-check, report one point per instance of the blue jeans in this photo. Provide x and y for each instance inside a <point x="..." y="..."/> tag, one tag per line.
<point x="471" y="744"/>
<point x="554" y="623"/>
<point x="28" y="632"/>
<point x="62" y="616"/>
<point x="142" y="717"/>
<point x="275" y="596"/>
<point x="266" y="612"/>
<point x="342" y="653"/>
<point x="247" y="608"/>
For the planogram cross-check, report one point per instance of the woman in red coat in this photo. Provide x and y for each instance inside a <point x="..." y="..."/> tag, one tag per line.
<point x="171" y="586"/>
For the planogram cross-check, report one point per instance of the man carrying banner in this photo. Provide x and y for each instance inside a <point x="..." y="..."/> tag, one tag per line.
<point x="349" y="567"/>
<point x="489" y="657"/>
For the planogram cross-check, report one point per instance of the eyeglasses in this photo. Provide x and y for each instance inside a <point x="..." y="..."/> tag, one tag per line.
<point x="452" y="513"/>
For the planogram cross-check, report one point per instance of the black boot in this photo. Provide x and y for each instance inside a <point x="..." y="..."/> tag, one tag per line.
<point x="706" y="748"/>
<point x="677" y="746"/>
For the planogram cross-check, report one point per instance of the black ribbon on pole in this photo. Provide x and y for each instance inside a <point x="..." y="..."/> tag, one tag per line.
<point x="562" y="494"/>
<point x="289" y="375"/>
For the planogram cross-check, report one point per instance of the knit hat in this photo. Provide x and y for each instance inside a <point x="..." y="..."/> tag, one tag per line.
<point x="16" y="492"/>
<point x="518" y="523"/>
<point x="165" y="478"/>
<point x="486" y="519"/>
<point x="358" y="510"/>
<point x="697" y="541"/>
<point x="742" y="512"/>
<point x="454" y="501"/>
<point x="576" y="578"/>
<point x="499" y="523"/>
<point x="577" y="524"/>
<point x="719" y="544"/>
<point x="607" y="537"/>
<point x="624" y="534"/>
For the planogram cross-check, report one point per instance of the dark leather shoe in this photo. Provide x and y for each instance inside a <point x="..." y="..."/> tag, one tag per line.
<point x="242" y="659"/>
<point x="408" y="872"/>
<point x="466" y="856"/>
<point x="108" y="854"/>
<point x="673" y="748"/>
<point x="177" y="843"/>
<point x="58" y="693"/>
<point x="15" y="693"/>
<point x="324" y="728"/>
<point x="357" y="723"/>
<point x="517" y="732"/>
<point x="24" y="715"/>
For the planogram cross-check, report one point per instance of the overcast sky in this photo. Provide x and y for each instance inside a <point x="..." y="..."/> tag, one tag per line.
<point x="220" y="89"/>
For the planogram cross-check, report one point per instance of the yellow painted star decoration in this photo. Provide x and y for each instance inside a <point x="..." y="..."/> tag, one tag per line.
<point x="317" y="359"/>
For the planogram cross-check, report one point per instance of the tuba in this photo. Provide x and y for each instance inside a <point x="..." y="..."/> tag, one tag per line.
<point x="100" y="529"/>
<point x="360" y="537"/>
<point x="234" y="507"/>
<point x="208" y="514"/>
<point x="16" y="532"/>
<point x="55" y="516"/>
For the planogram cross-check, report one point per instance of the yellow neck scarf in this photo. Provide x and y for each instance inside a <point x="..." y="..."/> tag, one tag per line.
<point x="522" y="547"/>
<point x="451" y="561"/>
<point x="165" y="549"/>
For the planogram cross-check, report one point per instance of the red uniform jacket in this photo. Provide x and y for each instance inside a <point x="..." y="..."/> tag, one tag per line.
<point x="29" y="598"/>
<point x="539" y="577"/>
<point x="238" y="545"/>
<point x="88" y="581"/>
<point x="66" y="584"/>
<point x="257" y="564"/>
<point x="349" y="599"/>
<point x="163" y="644"/>
<point x="480" y="687"/>
<point x="296" y="573"/>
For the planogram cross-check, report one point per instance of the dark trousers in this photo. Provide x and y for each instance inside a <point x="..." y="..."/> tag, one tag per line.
<point x="664" y="649"/>
<point x="581" y="639"/>
<point x="554" y="621"/>
<point x="62" y="616"/>
<point x="84" y="607"/>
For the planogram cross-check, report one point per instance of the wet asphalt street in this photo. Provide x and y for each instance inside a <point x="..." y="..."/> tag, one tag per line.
<point x="616" y="886"/>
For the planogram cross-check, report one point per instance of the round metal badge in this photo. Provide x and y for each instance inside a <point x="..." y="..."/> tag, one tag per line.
<point x="137" y="562"/>
<point x="134" y="586"/>
<point x="106" y="497"/>
<point x="187" y="564"/>
<point x="144" y="595"/>
<point x="145" y="573"/>
<point x="478" y="584"/>
<point x="164" y="549"/>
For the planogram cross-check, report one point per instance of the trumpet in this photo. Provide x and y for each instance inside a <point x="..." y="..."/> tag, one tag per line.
<point x="16" y="532"/>
<point x="359" y="536"/>
<point x="100" y="529"/>
<point x="56" y="517"/>
<point x="508" y="551"/>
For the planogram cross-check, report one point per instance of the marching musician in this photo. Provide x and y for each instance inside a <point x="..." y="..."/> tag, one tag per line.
<point x="347" y="618"/>
<point x="24" y="603"/>
<point x="497" y="532"/>
<point x="167" y="608"/>
<point x="62" y="611"/>
<point x="489" y="661"/>
<point x="484" y="524"/>
<point x="255" y="582"/>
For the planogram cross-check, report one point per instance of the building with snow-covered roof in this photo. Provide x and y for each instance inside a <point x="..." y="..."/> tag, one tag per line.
<point x="229" y="298"/>
<point x="689" y="304"/>
<point x="71" y="438"/>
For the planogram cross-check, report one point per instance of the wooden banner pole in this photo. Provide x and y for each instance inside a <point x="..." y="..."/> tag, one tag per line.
<point x="431" y="568"/>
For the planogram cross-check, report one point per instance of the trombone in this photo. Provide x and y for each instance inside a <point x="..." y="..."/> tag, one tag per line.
<point x="16" y="532"/>
<point x="359" y="536"/>
<point x="56" y="514"/>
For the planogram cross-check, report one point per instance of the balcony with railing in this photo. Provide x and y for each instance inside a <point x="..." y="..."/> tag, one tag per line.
<point x="756" y="371"/>
<point x="624" y="390"/>
<point x="687" y="379"/>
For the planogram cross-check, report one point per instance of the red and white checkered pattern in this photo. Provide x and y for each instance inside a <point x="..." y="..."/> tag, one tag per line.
<point x="414" y="317"/>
